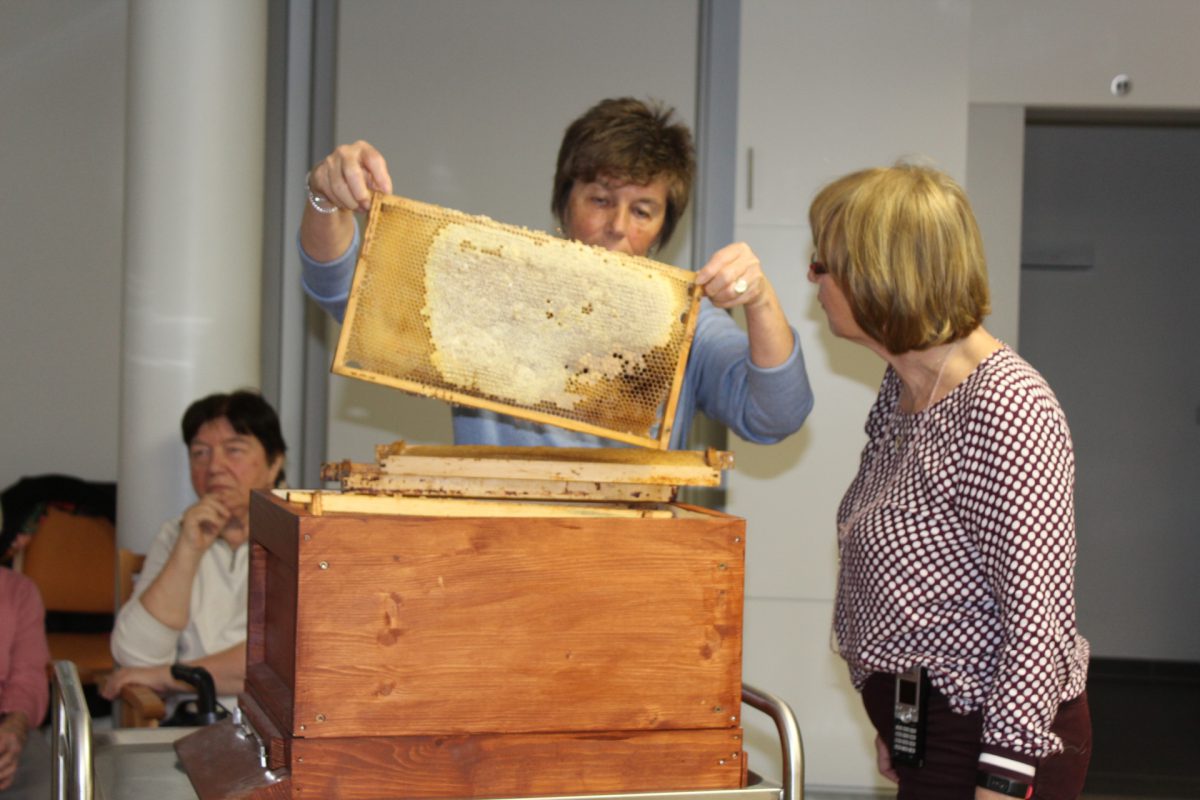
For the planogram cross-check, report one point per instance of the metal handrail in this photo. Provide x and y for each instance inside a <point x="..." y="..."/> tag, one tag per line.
<point x="71" y="745"/>
<point x="789" y="738"/>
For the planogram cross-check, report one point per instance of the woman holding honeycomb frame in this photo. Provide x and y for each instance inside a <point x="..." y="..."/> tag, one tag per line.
<point x="622" y="182"/>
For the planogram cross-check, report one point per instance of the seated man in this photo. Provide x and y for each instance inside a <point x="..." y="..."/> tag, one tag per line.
<point x="24" y="690"/>
<point x="189" y="604"/>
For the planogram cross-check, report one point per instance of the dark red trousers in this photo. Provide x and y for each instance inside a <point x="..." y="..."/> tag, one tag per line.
<point x="953" y="742"/>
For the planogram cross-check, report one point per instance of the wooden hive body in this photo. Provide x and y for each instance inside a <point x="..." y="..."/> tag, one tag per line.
<point x="493" y="655"/>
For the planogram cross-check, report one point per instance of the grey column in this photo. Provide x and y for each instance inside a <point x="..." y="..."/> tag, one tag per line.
<point x="192" y="236"/>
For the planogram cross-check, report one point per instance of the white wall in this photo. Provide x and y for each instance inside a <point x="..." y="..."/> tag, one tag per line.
<point x="62" y="88"/>
<point x="1065" y="53"/>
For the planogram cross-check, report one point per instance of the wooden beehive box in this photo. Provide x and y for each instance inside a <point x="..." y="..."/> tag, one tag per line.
<point x="473" y="647"/>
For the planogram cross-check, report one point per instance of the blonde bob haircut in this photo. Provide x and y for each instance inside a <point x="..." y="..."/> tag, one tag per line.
<point x="903" y="245"/>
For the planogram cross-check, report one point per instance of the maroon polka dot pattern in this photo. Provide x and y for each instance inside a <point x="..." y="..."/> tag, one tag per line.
<point x="957" y="551"/>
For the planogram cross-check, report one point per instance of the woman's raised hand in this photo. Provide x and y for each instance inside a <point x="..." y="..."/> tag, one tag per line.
<point x="347" y="176"/>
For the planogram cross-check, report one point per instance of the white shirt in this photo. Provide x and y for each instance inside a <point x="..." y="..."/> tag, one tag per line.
<point x="217" y="612"/>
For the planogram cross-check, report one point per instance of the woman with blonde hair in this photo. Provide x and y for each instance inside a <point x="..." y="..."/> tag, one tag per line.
<point x="955" y="608"/>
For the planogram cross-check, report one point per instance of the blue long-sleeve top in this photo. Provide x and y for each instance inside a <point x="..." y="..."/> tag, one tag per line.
<point x="759" y="405"/>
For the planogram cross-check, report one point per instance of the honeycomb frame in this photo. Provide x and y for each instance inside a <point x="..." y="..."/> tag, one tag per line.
<point x="493" y="316"/>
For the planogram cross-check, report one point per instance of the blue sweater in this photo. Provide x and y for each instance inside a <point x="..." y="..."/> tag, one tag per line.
<point x="759" y="405"/>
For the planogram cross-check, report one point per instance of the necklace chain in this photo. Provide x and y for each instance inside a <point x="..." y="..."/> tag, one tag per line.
<point x="899" y="437"/>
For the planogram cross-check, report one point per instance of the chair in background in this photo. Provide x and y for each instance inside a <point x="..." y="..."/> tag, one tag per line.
<point x="81" y="574"/>
<point x="138" y="706"/>
<point x="129" y="566"/>
<point x="72" y="559"/>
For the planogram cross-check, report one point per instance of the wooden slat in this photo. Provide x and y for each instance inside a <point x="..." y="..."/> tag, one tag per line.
<point x="140" y="707"/>
<point x="271" y="623"/>
<point x="462" y="398"/>
<point x="518" y="765"/>
<point x="277" y="531"/>
<point x="604" y="455"/>
<point x="257" y="605"/>
<point x="507" y="488"/>
<point x="318" y="503"/>
<point x="530" y="473"/>
<point x="668" y="418"/>
<point x="682" y="475"/>
<point x="666" y="461"/>
<point x="271" y="694"/>
<point x="280" y="620"/>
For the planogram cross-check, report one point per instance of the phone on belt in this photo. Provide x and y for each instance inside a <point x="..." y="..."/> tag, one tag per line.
<point x="908" y="717"/>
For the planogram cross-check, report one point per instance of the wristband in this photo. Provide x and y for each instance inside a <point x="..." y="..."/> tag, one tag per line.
<point x="1005" y="786"/>
<point x="320" y="202"/>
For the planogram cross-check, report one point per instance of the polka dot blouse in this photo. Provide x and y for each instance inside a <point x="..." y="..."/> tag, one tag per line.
<point x="957" y="551"/>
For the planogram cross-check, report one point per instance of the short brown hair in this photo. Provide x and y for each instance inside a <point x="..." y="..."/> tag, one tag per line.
<point x="628" y="140"/>
<point x="903" y="244"/>
<point x="248" y="414"/>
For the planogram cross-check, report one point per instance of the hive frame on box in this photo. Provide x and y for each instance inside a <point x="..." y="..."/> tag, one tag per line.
<point x="593" y="474"/>
<point x="502" y="318"/>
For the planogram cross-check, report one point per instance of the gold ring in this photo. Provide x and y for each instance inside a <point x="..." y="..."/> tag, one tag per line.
<point x="740" y="286"/>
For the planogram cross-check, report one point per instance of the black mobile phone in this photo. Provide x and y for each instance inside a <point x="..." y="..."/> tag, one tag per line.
<point x="908" y="718"/>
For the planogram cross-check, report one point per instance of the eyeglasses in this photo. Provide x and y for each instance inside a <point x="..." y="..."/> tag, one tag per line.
<point x="817" y="267"/>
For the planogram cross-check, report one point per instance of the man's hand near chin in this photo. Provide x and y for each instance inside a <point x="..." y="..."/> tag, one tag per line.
<point x="203" y="522"/>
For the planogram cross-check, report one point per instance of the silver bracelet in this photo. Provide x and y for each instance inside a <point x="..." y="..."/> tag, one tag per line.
<point x="321" y="203"/>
